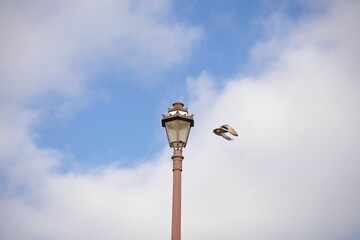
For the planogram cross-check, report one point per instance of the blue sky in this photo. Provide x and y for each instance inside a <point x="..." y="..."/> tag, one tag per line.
<point x="83" y="86"/>
<point x="228" y="31"/>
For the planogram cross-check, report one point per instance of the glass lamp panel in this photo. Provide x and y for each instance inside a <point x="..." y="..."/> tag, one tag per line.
<point x="184" y="129"/>
<point x="171" y="130"/>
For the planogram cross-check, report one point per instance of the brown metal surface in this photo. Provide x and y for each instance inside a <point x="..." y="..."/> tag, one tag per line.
<point x="176" y="207"/>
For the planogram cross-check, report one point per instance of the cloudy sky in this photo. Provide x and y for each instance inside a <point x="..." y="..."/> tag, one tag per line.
<point x="83" y="85"/>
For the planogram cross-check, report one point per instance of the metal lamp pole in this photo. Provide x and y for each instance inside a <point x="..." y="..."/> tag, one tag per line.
<point x="176" y="204"/>
<point x="177" y="124"/>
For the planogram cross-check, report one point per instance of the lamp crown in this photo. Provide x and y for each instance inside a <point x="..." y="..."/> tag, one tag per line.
<point x="178" y="107"/>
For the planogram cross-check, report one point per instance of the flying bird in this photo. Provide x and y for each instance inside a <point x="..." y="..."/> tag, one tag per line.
<point x="223" y="130"/>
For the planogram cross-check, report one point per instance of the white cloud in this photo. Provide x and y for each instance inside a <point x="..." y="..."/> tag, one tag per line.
<point x="46" y="46"/>
<point x="293" y="171"/>
<point x="291" y="174"/>
<point x="49" y="48"/>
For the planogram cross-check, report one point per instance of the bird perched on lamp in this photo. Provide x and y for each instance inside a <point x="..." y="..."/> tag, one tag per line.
<point x="223" y="130"/>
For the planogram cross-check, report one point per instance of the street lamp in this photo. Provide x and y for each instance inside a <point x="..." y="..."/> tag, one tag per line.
<point x="177" y="124"/>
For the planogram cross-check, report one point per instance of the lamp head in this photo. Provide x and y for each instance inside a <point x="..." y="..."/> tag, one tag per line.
<point x="177" y="124"/>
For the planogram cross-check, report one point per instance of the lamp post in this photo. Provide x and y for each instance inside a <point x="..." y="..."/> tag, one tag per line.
<point x="177" y="124"/>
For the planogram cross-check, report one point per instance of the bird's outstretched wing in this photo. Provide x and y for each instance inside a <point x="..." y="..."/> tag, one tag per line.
<point x="230" y="129"/>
